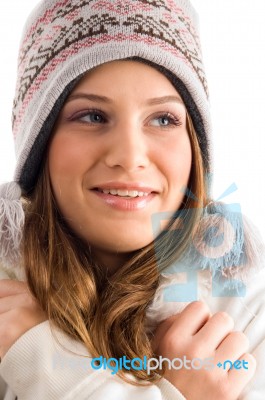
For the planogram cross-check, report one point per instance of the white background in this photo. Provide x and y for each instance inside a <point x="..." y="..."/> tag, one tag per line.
<point x="233" y="43"/>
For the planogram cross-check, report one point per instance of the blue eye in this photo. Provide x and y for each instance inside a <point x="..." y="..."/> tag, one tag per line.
<point x="92" y="117"/>
<point x="166" y="120"/>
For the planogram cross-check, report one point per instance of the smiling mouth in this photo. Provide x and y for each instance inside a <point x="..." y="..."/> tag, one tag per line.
<point x="124" y="193"/>
<point x="125" y="200"/>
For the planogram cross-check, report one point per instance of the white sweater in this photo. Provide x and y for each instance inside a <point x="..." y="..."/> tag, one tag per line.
<point x="36" y="367"/>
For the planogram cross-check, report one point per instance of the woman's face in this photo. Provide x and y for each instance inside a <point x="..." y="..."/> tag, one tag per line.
<point x="122" y="129"/>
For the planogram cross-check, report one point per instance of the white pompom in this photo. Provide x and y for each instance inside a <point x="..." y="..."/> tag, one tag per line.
<point x="11" y="223"/>
<point x="10" y="191"/>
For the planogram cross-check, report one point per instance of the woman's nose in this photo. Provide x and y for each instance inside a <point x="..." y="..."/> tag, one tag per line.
<point x="127" y="148"/>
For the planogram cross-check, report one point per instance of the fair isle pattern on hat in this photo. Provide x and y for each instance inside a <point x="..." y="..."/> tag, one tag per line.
<point x="64" y="39"/>
<point x="99" y="29"/>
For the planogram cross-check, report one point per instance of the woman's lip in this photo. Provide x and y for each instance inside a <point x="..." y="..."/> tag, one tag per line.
<point x="139" y="186"/>
<point x="125" y="204"/>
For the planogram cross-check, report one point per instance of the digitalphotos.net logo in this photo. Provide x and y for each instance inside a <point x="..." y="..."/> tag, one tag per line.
<point x="146" y="364"/>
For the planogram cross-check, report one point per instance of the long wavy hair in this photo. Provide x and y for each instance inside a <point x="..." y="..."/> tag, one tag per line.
<point x="106" y="313"/>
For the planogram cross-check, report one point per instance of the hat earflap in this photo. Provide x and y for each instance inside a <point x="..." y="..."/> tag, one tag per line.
<point x="12" y="219"/>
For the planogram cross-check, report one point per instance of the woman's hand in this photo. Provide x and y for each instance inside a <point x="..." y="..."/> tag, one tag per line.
<point x="19" y="312"/>
<point x="194" y="333"/>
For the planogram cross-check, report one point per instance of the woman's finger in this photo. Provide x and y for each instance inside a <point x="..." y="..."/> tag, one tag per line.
<point x="232" y="347"/>
<point x="191" y="319"/>
<point x="18" y="300"/>
<point x="182" y="325"/>
<point x="215" y="330"/>
<point x="15" y="322"/>
<point x="9" y="287"/>
<point x="240" y="376"/>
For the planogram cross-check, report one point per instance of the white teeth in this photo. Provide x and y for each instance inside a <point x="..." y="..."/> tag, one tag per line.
<point x="125" y="193"/>
<point x="122" y="192"/>
<point x="132" y="193"/>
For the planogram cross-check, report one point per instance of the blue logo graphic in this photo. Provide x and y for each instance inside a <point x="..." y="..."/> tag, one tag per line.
<point x="217" y="245"/>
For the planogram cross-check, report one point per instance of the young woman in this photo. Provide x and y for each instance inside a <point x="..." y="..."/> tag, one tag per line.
<point x="111" y="124"/>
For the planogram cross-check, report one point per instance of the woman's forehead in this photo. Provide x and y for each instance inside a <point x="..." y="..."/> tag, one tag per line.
<point x="127" y="77"/>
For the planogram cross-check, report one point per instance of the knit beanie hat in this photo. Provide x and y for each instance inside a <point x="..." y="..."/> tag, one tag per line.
<point x="62" y="40"/>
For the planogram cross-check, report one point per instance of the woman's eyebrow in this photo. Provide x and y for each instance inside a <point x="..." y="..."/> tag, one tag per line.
<point x="104" y="99"/>
<point x="164" y="99"/>
<point x="92" y="97"/>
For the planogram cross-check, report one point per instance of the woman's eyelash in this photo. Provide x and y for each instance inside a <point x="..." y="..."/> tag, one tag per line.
<point x="173" y="120"/>
<point x="79" y="116"/>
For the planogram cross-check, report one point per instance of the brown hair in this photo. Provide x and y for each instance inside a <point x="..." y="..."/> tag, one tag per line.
<point x="106" y="313"/>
